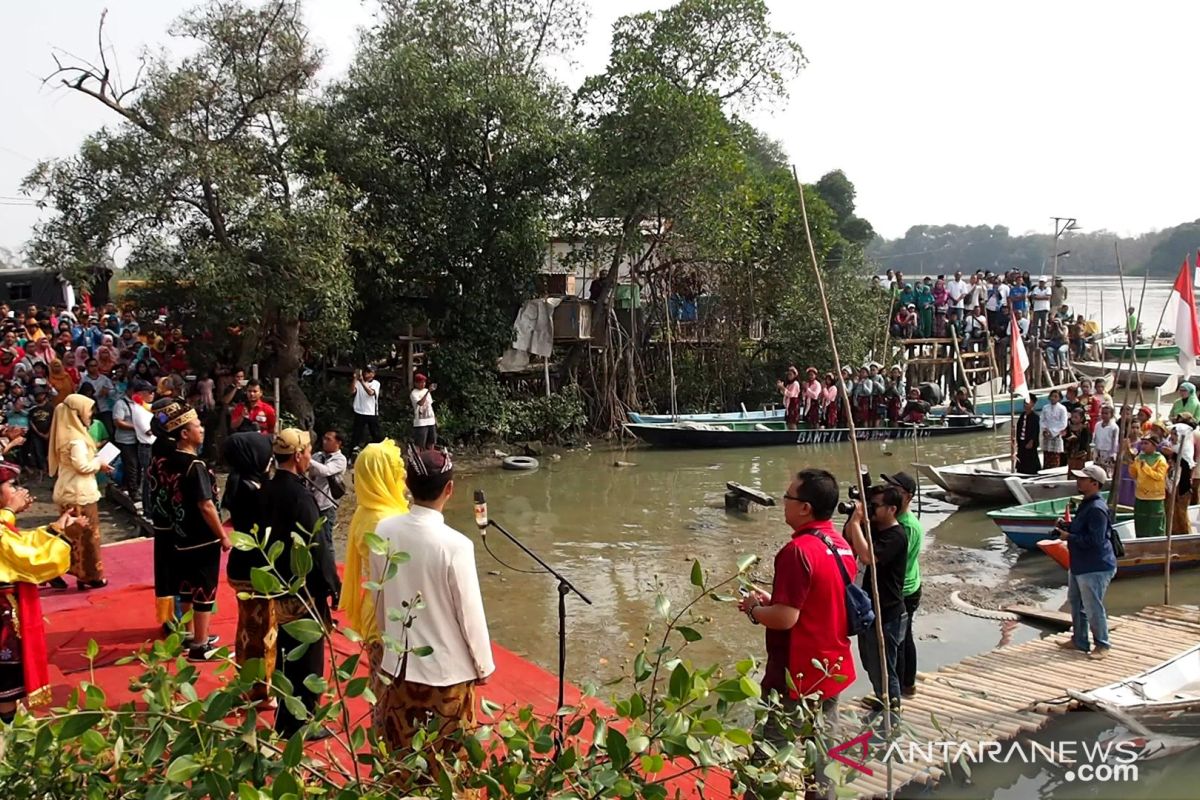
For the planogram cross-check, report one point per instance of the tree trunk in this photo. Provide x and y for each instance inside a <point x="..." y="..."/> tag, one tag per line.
<point x="284" y="362"/>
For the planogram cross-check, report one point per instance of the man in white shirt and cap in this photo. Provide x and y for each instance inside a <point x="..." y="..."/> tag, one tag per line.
<point x="434" y="663"/>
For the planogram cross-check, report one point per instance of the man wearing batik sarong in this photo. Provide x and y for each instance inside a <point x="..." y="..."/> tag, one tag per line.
<point x="439" y="688"/>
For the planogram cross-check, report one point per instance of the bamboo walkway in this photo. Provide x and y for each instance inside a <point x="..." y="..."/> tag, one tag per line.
<point x="1012" y="690"/>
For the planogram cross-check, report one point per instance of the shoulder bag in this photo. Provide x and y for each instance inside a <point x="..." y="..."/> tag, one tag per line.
<point x="860" y="610"/>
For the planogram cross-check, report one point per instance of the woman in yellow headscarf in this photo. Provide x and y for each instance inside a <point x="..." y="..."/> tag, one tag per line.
<point x="72" y="458"/>
<point x="379" y="493"/>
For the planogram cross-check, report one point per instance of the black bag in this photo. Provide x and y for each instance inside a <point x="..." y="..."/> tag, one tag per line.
<point x="860" y="611"/>
<point x="1115" y="540"/>
<point x="337" y="487"/>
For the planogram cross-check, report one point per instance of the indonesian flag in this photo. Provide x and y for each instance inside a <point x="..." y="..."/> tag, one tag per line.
<point x="1020" y="361"/>
<point x="1187" y="331"/>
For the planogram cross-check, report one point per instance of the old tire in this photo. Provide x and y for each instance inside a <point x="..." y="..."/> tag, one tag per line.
<point x="520" y="463"/>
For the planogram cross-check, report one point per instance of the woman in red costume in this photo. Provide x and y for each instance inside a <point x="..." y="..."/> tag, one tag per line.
<point x="27" y="558"/>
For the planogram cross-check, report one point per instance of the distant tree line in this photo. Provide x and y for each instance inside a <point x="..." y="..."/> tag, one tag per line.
<point x="942" y="249"/>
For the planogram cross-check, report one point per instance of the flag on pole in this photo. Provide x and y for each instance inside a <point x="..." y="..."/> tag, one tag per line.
<point x="1020" y="361"/>
<point x="1187" y="330"/>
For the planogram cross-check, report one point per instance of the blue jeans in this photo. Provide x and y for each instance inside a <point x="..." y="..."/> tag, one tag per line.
<point x="1086" y="595"/>
<point x="868" y="651"/>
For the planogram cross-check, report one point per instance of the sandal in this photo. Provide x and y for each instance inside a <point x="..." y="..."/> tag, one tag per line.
<point x="87" y="585"/>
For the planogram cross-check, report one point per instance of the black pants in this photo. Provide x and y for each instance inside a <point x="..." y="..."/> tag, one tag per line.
<point x="131" y="465"/>
<point x="366" y="424"/>
<point x="311" y="663"/>
<point x="425" y="436"/>
<point x="906" y="661"/>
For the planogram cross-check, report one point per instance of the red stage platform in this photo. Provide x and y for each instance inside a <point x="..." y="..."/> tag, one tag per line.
<point x="120" y="619"/>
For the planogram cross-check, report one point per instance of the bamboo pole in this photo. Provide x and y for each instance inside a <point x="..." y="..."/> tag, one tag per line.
<point x="670" y="349"/>
<point x="1173" y="482"/>
<point x="1141" y="304"/>
<point x="837" y="365"/>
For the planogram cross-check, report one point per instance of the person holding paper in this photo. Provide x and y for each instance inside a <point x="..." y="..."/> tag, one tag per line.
<point x="74" y="463"/>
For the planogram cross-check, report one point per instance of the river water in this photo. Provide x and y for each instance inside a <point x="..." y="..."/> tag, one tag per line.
<point x="619" y="531"/>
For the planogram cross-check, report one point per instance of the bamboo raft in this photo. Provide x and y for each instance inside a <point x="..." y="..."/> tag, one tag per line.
<point x="990" y="697"/>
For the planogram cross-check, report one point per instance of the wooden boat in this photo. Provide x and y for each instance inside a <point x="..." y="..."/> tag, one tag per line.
<point x="1161" y="691"/>
<point x="762" y="434"/>
<point x="1026" y="525"/>
<point x="1049" y="484"/>
<point x="1152" y="378"/>
<point x="766" y="415"/>
<point x="979" y="479"/>
<point x="1160" y="348"/>
<point x="1142" y="556"/>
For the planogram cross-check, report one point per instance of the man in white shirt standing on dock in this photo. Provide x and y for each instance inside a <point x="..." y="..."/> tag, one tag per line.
<point x="446" y="651"/>
<point x="365" y="391"/>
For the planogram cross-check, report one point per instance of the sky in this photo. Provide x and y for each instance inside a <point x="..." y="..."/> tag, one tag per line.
<point x="939" y="112"/>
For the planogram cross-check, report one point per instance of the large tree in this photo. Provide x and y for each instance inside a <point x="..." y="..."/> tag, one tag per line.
<point x="199" y="181"/>
<point x="456" y="147"/>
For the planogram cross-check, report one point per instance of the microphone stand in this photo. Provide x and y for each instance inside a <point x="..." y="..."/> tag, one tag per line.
<point x="565" y="587"/>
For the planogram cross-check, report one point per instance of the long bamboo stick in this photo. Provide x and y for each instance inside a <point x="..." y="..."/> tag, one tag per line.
<point x="1141" y="304"/>
<point x="837" y="365"/>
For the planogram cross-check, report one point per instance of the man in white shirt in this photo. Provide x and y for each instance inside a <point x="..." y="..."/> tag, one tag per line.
<point x="1054" y="420"/>
<point x="997" y="301"/>
<point x="424" y="420"/>
<point x="438" y="653"/>
<point x="365" y="391"/>
<point x="957" y="289"/>
<point x="1040" y="295"/>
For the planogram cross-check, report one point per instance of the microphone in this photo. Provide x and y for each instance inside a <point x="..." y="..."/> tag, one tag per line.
<point x="481" y="515"/>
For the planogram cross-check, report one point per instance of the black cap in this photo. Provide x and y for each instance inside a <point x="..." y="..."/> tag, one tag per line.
<point x="902" y="480"/>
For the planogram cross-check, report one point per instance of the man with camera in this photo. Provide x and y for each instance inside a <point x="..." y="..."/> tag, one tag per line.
<point x="805" y="613"/>
<point x="1093" y="563"/>
<point x="327" y="472"/>
<point x="888" y="558"/>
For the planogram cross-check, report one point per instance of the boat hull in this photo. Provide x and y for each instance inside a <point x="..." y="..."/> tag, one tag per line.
<point x="1143" y="351"/>
<point x="769" y="415"/>
<point x="983" y="481"/>
<point x="1036" y="488"/>
<point x="1146" y="556"/>
<point x="1026" y="525"/>
<point x="1123" y="375"/>
<point x="697" y="438"/>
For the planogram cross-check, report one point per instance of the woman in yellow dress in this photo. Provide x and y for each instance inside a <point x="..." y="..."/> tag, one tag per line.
<point x="379" y="493"/>
<point x="27" y="558"/>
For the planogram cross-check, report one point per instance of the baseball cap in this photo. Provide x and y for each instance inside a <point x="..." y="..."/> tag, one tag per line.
<point x="291" y="441"/>
<point x="1091" y="470"/>
<point x="902" y="480"/>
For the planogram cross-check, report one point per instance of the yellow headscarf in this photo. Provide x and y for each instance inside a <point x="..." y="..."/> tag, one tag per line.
<point x="67" y="426"/>
<point x="379" y="493"/>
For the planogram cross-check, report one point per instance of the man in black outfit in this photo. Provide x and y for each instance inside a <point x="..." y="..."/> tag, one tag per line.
<point x="889" y="559"/>
<point x="289" y="507"/>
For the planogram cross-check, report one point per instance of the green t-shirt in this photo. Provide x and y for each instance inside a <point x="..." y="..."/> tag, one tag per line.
<point x="916" y="538"/>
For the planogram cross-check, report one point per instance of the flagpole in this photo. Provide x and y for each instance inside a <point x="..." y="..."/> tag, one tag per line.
<point x="1186" y="266"/>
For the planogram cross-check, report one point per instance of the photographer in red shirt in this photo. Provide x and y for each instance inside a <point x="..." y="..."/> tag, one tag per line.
<point x="805" y="613"/>
<point x="254" y="414"/>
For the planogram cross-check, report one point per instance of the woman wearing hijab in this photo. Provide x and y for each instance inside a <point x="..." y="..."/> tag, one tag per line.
<point x="248" y="456"/>
<point x="925" y="309"/>
<point x="379" y="490"/>
<point x="81" y="359"/>
<point x="1187" y="402"/>
<point x="27" y="558"/>
<point x="106" y="354"/>
<point x="72" y="459"/>
<point x="60" y="381"/>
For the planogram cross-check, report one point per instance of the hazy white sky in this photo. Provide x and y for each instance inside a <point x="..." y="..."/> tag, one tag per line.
<point x="939" y="112"/>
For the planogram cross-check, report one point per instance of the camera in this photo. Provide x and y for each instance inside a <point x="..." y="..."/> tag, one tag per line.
<point x="855" y="496"/>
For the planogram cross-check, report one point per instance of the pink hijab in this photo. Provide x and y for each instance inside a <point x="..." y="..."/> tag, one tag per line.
<point x="106" y="354"/>
<point x="81" y="357"/>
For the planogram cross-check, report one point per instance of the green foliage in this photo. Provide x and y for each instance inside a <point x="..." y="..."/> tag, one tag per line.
<point x="668" y="717"/>
<point x="490" y="413"/>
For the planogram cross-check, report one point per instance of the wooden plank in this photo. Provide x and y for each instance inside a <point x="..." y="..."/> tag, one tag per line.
<point x="753" y="495"/>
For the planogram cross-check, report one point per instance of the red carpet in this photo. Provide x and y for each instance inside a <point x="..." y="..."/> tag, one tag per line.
<point x="120" y="619"/>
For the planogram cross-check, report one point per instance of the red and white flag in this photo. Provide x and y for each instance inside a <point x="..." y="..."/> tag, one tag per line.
<point x="1020" y="361"/>
<point x="1187" y="331"/>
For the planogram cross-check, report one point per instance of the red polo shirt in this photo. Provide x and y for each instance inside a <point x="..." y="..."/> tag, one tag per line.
<point x="807" y="578"/>
<point x="262" y="414"/>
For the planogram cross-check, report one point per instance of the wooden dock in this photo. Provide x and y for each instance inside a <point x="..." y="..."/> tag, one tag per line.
<point x="1013" y="690"/>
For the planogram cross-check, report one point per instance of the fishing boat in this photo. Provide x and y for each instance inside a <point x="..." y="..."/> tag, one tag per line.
<point x="1028" y="524"/>
<point x="981" y="479"/>
<point x="1123" y="374"/>
<point x="765" y="415"/>
<point x="1142" y="556"/>
<point x="1160" y="692"/>
<point x="1049" y="484"/>
<point x="1158" y="349"/>
<point x="762" y="434"/>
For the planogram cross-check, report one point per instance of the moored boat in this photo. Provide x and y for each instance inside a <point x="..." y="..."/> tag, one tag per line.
<point x="1160" y="348"/>
<point x="979" y="479"/>
<point x="1143" y="556"/>
<point x="1049" y="484"/>
<point x="1027" y="524"/>
<point x="760" y="434"/>
<point x="1122" y="374"/>
<point x="765" y="415"/>
<point x="1161" y="691"/>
